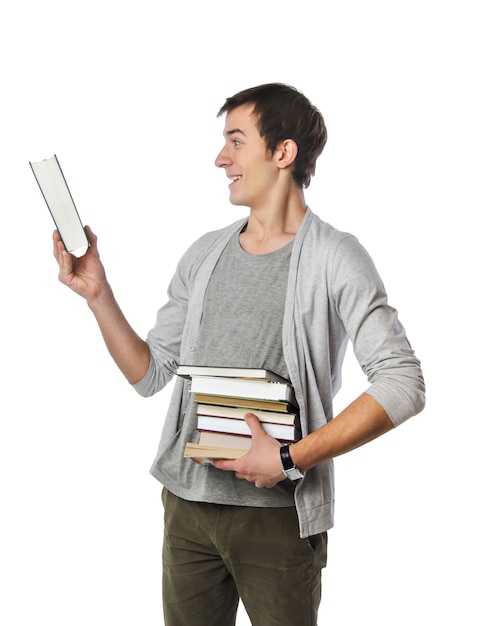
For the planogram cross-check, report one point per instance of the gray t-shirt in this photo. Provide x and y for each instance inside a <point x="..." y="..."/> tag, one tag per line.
<point x="243" y="310"/>
<point x="241" y="327"/>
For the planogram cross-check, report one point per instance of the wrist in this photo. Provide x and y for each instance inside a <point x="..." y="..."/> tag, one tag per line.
<point x="101" y="298"/>
<point x="289" y="468"/>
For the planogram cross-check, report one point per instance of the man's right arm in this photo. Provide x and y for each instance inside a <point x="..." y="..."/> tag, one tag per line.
<point x="86" y="277"/>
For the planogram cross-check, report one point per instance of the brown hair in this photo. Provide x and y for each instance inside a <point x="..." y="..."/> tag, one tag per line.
<point x="282" y="113"/>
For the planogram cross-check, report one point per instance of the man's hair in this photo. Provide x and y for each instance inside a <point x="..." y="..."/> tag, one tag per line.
<point x="283" y="112"/>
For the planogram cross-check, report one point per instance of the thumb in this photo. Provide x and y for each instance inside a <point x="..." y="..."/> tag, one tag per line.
<point x="254" y="424"/>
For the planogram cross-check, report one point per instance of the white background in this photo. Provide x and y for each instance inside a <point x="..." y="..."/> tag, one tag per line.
<point x="126" y="94"/>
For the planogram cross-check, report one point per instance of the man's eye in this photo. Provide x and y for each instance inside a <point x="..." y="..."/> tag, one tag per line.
<point x="236" y="142"/>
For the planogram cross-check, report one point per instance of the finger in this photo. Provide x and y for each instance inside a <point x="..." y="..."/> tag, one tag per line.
<point x="56" y="241"/>
<point x="244" y="477"/>
<point x="199" y="461"/>
<point x="65" y="262"/>
<point x="93" y="239"/>
<point x="224" y="464"/>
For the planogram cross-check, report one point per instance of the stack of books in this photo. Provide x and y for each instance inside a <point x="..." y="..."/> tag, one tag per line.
<point x="224" y="395"/>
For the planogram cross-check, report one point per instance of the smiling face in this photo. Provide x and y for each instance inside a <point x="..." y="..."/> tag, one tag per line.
<point x="246" y="160"/>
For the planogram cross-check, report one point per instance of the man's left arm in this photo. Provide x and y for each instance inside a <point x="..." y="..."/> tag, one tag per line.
<point x="361" y="422"/>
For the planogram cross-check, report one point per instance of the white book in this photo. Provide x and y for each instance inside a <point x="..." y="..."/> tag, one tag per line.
<point x="242" y="387"/>
<point x="283" y="432"/>
<point x="213" y="445"/>
<point x="187" y="371"/>
<point x="224" y="440"/>
<point x="274" y="417"/>
<point x="59" y="200"/>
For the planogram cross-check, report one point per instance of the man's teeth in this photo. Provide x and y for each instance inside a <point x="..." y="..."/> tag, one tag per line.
<point x="235" y="178"/>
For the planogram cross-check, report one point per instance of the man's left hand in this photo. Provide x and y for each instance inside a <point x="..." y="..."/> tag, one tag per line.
<point x="262" y="464"/>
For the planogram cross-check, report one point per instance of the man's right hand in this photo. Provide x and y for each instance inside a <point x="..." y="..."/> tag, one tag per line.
<point x="85" y="275"/>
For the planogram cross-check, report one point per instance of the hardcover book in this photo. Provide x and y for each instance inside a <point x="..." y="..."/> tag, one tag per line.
<point x="213" y="445"/>
<point x="59" y="200"/>
<point x="188" y="371"/>
<point x="247" y="403"/>
<point x="232" y="412"/>
<point x="243" y="387"/>
<point x="283" y="432"/>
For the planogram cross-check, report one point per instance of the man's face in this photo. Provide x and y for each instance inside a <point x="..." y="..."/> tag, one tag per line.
<point x="246" y="160"/>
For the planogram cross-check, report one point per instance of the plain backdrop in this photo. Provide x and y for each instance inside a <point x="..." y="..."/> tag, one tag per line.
<point x="126" y="94"/>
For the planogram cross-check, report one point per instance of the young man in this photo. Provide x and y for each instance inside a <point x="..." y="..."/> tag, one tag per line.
<point x="281" y="290"/>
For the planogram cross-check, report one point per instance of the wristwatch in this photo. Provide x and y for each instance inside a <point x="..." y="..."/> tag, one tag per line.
<point x="290" y="470"/>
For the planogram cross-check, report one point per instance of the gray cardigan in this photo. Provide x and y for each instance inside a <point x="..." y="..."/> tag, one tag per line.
<point x="334" y="294"/>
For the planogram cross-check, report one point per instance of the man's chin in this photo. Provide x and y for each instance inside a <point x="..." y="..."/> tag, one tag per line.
<point x="236" y="200"/>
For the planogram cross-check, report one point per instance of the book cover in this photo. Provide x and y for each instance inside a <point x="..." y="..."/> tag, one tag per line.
<point x="240" y="427"/>
<point x="245" y="388"/>
<point x="59" y="200"/>
<point x="188" y="371"/>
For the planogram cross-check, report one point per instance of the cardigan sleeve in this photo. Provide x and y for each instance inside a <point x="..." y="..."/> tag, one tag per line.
<point x="379" y="340"/>
<point x="164" y="339"/>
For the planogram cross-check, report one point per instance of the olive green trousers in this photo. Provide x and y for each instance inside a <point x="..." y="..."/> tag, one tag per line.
<point x="215" y="554"/>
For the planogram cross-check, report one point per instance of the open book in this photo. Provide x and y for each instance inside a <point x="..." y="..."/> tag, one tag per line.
<point x="56" y="193"/>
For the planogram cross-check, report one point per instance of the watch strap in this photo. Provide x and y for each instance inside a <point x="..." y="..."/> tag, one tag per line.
<point x="287" y="462"/>
<point x="290" y="470"/>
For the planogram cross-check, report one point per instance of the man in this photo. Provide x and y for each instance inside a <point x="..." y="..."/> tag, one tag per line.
<point x="281" y="290"/>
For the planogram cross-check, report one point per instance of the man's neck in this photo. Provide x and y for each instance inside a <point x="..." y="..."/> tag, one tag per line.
<point x="272" y="227"/>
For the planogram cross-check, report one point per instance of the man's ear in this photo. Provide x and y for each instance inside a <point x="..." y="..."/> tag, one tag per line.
<point x="286" y="153"/>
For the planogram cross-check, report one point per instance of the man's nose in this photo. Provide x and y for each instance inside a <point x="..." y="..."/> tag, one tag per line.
<point x="222" y="159"/>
